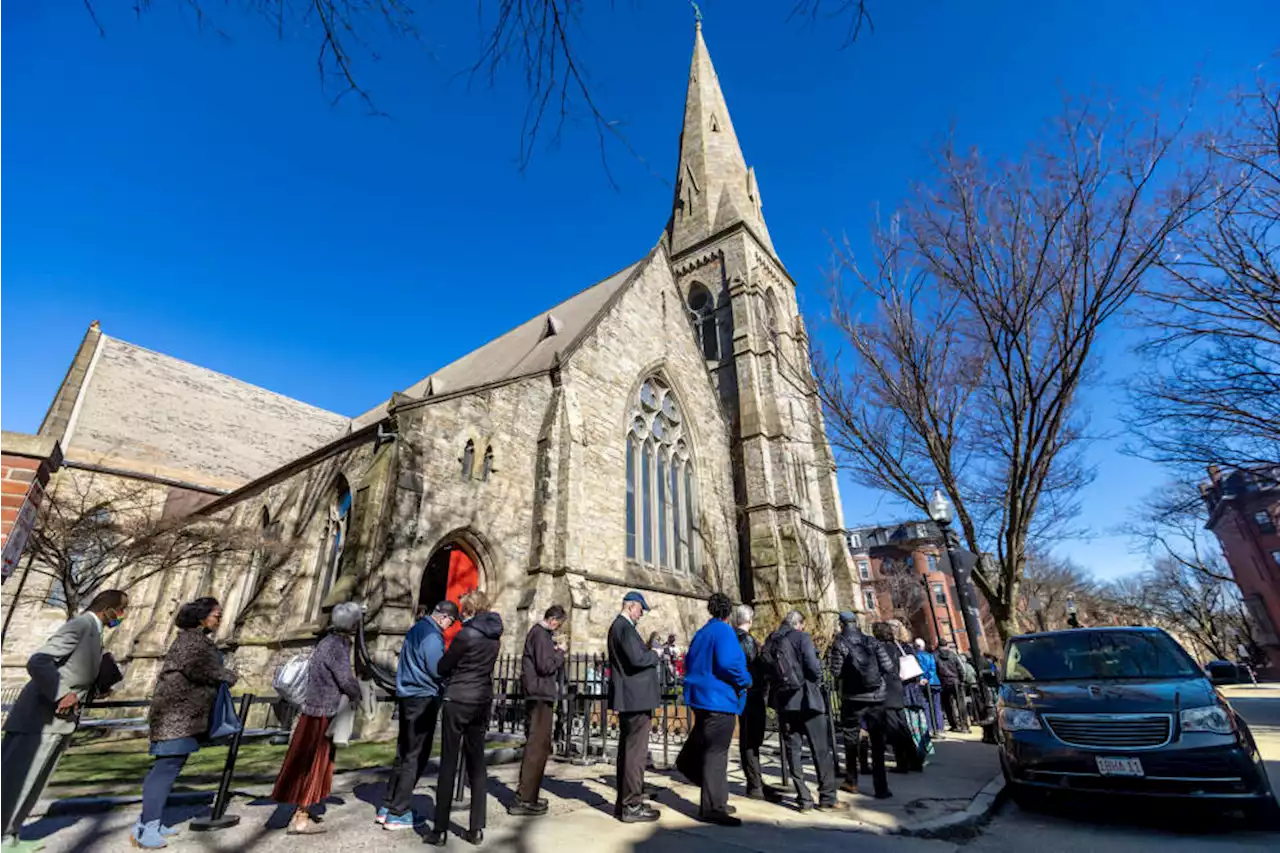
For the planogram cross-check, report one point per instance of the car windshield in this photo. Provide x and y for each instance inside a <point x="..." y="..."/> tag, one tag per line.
<point x="1097" y="654"/>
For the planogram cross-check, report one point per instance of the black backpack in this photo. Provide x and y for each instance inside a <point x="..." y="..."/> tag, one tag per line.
<point x="861" y="672"/>
<point x="782" y="663"/>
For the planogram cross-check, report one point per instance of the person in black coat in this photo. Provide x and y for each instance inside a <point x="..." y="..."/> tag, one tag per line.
<point x="540" y="668"/>
<point x="751" y="723"/>
<point x="802" y="712"/>
<point x="634" y="691"/>
<point x="468" y="668"/>
<point x="862" y="668"/>
<point x="897" y="730"/>
<point x="951" y="674"/>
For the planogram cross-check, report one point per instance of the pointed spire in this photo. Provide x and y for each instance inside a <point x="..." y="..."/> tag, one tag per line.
<point x="714" y="187"/>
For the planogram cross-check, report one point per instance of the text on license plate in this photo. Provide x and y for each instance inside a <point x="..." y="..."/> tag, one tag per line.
<point x="1119" y="766"/>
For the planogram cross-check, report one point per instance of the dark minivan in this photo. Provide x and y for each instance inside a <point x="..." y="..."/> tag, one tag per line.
<point x="1121" y="711"/>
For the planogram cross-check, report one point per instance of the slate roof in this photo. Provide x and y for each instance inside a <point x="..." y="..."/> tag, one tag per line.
<point x="526" y="350"/>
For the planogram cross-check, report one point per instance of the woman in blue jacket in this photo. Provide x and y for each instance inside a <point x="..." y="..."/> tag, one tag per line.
<point x="929" y="664"/>
<point x="715" y="686"/>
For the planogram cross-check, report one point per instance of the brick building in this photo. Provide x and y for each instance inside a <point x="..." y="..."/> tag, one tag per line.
<point x="904" y="574"/>
<point x="26" y="464"/>
<point x="1244" y="513"/>
<point x="657" y="430"/>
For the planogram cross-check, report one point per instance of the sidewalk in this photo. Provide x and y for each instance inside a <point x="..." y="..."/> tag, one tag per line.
<point x="580" y="817"/>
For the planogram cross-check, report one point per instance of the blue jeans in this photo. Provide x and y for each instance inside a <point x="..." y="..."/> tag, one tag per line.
<point x="158" y="784"/>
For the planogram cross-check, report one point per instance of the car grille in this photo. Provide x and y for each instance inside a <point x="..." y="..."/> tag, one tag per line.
<point x="1111" y="731"/>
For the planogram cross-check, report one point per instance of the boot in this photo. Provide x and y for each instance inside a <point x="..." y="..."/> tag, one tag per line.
<point x="149" y="838"/>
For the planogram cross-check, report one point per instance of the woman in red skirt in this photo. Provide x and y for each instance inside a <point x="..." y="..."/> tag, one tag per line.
<point x="306" y="777"/>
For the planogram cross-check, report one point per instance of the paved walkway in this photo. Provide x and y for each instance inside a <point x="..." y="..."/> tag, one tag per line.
<point x="580" y="817"/>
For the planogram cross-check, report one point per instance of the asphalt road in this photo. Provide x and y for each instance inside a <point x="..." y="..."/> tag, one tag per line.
<point x="1164" y="828"/>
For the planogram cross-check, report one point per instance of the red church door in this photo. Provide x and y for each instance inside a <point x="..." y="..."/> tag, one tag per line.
<point x="464" y="577"/>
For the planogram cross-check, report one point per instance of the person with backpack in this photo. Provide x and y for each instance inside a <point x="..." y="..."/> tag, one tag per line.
<point x="796" y="675"/>
<point x="951" y="676"/>
<point x="752" y="721"/>
<point x="419" y="690"/>
<point x="861" y="668"/>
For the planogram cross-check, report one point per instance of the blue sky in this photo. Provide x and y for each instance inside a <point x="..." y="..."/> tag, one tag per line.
<point x="195" y="191"/>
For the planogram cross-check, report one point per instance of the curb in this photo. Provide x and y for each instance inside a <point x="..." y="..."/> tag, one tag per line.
<point x="96" y="805"/>
<point x="975" y="814"/>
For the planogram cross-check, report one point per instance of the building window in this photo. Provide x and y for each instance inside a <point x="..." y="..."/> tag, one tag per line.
<point x="334" y="541"/>
<point x="869" y="599"/>
<point x="939" y="594"/>
<point x="855" y="541"/>
<point x="933" y="562"/>
<point x="660" y="476"/>
<point x="864" y="570"/>
<point x="771" y="321"/>
<point x="702" y="311"/>
<point x="486" y="467"/>
<point x="1264" y="521"/>
<point x="78" y="577"/>
<point x="468" y="459"/>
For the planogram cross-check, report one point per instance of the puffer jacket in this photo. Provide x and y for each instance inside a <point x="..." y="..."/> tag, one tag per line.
<point x="468" y="663"/>
<point x="186" y="687"/>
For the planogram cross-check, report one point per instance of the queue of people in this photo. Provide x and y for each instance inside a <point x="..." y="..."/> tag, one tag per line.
<point x="886" y="688"/>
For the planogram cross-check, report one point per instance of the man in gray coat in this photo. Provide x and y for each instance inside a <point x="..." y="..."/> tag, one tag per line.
<point x="63" y="672"/>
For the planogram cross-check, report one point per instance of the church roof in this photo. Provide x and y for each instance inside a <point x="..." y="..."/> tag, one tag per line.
<point x="147" y="413"/>
<point x="715" y="189"/>
<point x="528" y="349"/>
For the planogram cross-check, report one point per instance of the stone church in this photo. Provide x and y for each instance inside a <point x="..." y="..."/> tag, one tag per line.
<point x="656" y="431"/>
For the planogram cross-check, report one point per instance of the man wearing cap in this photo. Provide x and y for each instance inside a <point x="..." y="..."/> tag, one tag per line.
<point x="634" y="692"/>
<point x="861" y="668"/>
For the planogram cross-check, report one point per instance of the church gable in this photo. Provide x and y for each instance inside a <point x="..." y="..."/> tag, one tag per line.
<point x="641" y="352"/>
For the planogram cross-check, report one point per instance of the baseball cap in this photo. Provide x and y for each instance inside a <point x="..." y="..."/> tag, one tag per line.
<point x="848" y="616"/>
<point x="635" y="596"/>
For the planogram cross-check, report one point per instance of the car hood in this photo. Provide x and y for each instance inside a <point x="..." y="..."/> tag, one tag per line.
<point x="1110" y="696"/>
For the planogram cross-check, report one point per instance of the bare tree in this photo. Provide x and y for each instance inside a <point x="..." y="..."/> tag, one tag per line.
<point x="94" y="532"/>
<point x="1171" y="526"/>
<point x="1210" y="390"/>
<point x="1047" y="584"/>
<point x="899" y="579"/>
<point x="538" y="40"/>
<point x="989" y="293"/>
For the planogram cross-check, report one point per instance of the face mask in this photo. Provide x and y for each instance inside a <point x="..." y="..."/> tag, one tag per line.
<point x="115" y="621"/>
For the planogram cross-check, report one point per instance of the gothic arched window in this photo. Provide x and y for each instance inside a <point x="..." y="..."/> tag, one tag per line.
<point x="334" y="540"/>
<point x="660" y="501"/>
<point x="702" y="310"/>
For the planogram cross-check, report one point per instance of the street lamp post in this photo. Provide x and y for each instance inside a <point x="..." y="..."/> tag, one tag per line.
<point x="961" y="566"/>
<point x="933" y="613"/>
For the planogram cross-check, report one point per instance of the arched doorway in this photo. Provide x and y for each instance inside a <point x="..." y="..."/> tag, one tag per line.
<point x="452" y="572"/>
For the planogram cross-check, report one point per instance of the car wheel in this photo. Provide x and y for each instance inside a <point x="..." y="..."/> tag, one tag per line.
<point x="1263" y="814"/>
<point x="1024" y="798"/>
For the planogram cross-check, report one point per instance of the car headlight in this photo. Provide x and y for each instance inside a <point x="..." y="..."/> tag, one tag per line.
<point x="1212" y="718"/>
<point x="1019" y="720"/>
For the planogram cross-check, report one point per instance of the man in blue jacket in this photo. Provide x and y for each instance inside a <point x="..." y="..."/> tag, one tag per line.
<point x="715" y="686"/>
<point x="418" y="692"/>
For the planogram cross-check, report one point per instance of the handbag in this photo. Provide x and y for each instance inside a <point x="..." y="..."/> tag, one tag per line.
<point x="342" y="723"/>
<point x="909" y="668"/>
<point x="223" y="721"/>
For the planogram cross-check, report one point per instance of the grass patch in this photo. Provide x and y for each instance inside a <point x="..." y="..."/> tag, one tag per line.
<point x="127" y="762"/>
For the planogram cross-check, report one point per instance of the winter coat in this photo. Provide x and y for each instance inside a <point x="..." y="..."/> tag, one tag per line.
<point x="634" y="681"/>
<point x="541" y="664"/>
<point x="930" y="667"/>
<point x="186" y="687"/>
<point x="716" y="676"/>
<point x="950" y="671"/>
<point x="808" y="698"/>
<point x="894" y="689"/>
<point x="838" y="658"/>
<point x="755" y="666"/>
<point x="330" y="676"/>
<point x="418" y="672"/>
<point x="468" y="664"/>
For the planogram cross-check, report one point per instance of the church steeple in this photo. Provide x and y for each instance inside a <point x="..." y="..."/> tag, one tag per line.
<point x="714" y="187"/>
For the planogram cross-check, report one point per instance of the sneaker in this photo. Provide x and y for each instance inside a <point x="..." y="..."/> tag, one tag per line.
<point x="395" y="822"/>
<point x="519" y="809"/>
<point x="381" y="816"/>
<point x="638" y="814"/>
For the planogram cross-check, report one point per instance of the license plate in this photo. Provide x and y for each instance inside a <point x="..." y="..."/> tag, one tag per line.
<point x="1120" y="766"/>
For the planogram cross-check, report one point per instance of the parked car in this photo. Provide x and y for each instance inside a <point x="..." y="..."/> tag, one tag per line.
<point x="1223" y="672"/>
<point x="1121" y="711"/>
